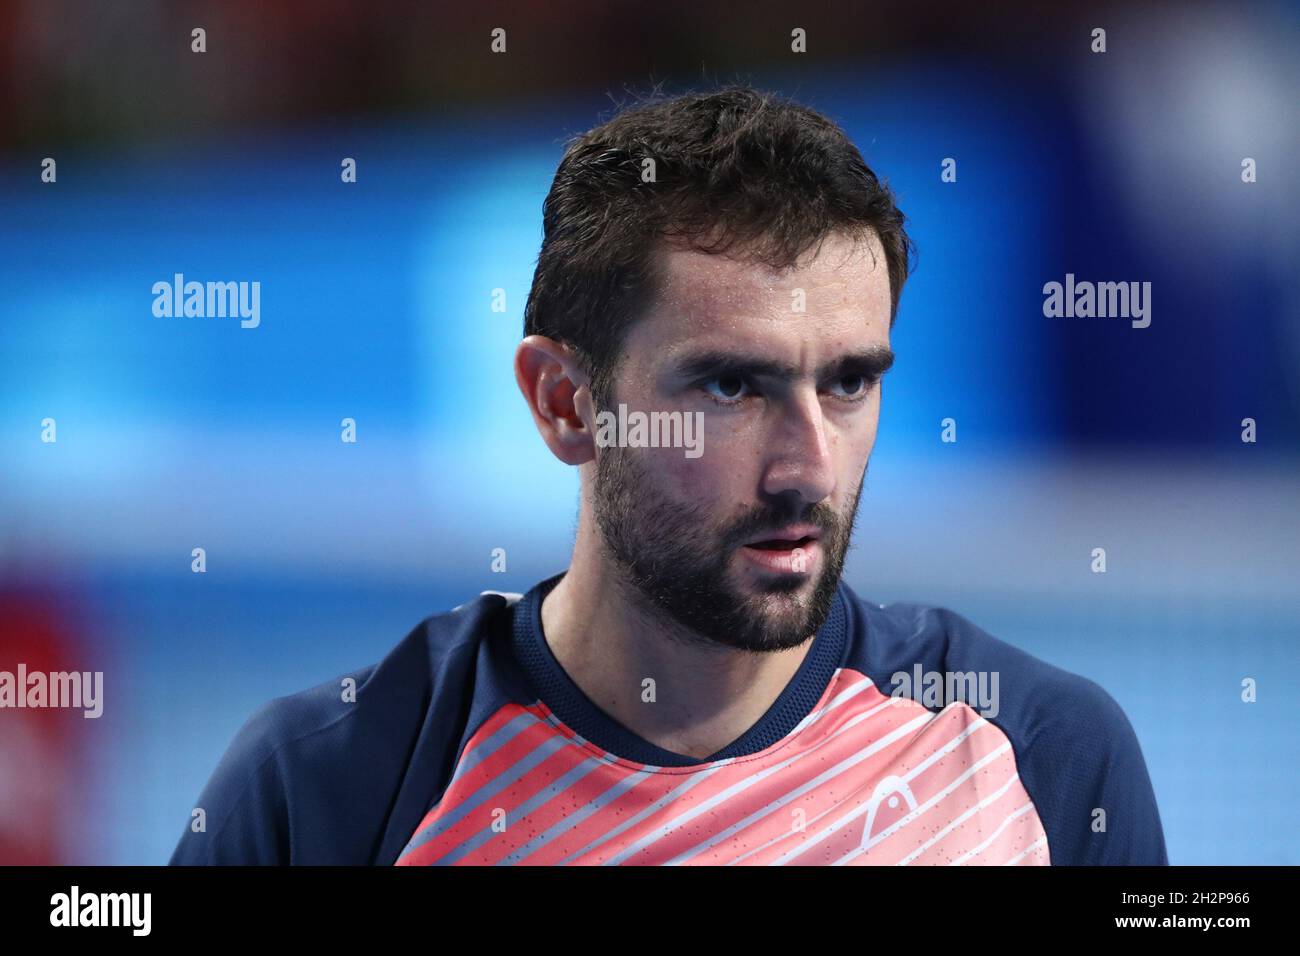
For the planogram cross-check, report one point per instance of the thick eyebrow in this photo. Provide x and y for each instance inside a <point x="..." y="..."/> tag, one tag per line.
<point x="870" y="363"/>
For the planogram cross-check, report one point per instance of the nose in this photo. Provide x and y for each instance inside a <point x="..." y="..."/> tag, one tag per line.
<point x="800" y="463"/>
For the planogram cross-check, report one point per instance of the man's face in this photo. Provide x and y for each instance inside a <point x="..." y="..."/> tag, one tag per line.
<point x="744" y="545"/>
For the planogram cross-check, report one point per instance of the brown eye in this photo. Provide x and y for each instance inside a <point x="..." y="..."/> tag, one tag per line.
<point x="731" y="386"/>
<point x="726" y="389"/>
<point x="855" y="387"/>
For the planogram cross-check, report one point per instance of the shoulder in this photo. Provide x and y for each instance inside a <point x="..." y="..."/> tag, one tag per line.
<point x="430" y="654"/>
<point x="1041" y="697"/>
<point x="1076" y="750"/>
<point x="342" y="745"/>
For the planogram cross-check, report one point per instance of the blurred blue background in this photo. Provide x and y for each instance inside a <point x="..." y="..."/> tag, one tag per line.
<point x="176" y="433"/>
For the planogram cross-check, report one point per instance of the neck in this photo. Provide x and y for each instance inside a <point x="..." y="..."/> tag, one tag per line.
<point x="705" y="695"/>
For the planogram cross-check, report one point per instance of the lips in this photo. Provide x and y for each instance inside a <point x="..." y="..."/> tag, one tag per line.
<point x="792" y="551"/>
<point x="786" y="539"/>
<point x="781" y="544"/>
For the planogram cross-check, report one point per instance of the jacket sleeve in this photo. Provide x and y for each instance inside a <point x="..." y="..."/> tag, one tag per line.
<point x="241" y="816"/>
<point x="1084" y="770"/>
<point x="1133" y="834"/>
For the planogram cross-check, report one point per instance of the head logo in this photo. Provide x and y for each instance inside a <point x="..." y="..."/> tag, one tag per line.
<point x="891" y="800"/>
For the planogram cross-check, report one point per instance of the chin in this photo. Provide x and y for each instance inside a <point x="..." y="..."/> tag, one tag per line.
<point x="784" y="611"/>
<point x="789" y="586"/>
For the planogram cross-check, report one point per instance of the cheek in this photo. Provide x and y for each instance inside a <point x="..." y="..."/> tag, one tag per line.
<point x="691" y="480"/>
<point x="708" y="482"/>
<point x="857" y="444"/>
<point x="871" y="420"/>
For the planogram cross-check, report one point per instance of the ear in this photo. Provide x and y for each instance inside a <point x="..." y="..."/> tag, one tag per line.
<point x="559" y="396"/>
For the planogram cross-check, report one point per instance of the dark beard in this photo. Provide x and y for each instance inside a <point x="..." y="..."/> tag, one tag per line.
<point x="651" y="539"/>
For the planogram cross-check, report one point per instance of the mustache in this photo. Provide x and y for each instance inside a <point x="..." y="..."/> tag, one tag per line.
<point x="833" y="526"/>
<point x="822" y="516"/>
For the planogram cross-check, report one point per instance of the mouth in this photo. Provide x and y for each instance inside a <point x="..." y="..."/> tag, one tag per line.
<point x="787" y="539"/>
<point x="781" y="544"/>
<point x="792" y="551"/>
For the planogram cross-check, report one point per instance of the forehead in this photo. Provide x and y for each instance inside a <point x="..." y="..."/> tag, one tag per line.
<point x="835" y="298"/>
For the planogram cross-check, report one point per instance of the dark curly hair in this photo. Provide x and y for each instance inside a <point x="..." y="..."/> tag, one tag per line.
<point x="737" y="171"/>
